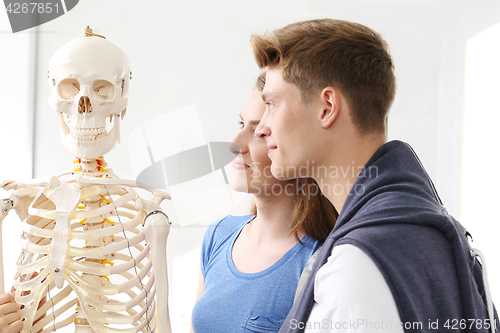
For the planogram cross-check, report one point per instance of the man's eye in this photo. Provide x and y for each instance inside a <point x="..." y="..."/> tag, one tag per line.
<point x="270" y="105"/>
<point x="241" y="124"/>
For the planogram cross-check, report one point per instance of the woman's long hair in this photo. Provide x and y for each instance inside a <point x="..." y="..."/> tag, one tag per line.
<point x="312" y="211"/>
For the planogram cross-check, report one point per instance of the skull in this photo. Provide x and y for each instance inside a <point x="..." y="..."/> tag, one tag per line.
<point x="89" y="79"/>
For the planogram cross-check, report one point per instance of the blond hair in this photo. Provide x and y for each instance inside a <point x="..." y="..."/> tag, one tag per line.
<point x="347" y="56"/>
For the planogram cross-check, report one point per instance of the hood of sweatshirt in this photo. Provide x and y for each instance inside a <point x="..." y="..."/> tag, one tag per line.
<point x="393" y="187"/>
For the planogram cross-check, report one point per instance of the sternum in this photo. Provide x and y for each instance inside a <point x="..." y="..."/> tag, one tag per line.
<point x="60" y="245"/>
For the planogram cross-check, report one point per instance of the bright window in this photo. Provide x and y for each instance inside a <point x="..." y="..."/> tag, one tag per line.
<point x="480" y="197"/>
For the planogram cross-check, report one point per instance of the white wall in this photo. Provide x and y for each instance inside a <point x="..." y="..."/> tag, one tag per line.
<point x="195" y="52"/>
<point x="481" y="154"/>
<point x="16" y="131"/>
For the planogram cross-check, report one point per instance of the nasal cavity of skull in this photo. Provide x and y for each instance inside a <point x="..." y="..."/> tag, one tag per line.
<point x="68" y="88"/>
<point x="84" y="105"/>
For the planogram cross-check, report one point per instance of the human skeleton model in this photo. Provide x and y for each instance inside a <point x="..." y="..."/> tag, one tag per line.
<point x="83" y="244"/>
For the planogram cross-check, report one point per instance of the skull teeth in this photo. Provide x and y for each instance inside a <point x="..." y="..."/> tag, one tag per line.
<point x="87" y="134"/>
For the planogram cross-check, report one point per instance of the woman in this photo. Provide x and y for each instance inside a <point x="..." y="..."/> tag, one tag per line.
<point x="251" y="265"/>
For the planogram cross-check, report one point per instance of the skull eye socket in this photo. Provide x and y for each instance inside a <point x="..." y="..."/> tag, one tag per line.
<point x="103" y="89"/>
<point x="68" y="88"/>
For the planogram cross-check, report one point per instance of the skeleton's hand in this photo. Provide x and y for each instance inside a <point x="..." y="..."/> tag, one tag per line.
<point x="10" y="318"/>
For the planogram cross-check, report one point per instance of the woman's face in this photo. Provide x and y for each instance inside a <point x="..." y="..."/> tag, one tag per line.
<point x="251" y="168"/>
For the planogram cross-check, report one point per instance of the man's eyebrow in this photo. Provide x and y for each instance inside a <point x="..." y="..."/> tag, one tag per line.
<point x="267" y="96"/>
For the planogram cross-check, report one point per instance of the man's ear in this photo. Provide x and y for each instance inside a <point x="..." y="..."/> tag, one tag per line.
<point x="330" y="100"/>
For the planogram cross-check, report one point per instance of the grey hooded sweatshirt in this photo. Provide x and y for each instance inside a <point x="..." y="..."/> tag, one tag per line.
<point x="394" y="215"/>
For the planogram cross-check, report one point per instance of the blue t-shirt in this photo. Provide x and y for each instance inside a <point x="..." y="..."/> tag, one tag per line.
<point x="241" y="302"/>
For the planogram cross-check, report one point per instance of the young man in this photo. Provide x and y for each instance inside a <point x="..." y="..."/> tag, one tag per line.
<point x="396" y="260"/>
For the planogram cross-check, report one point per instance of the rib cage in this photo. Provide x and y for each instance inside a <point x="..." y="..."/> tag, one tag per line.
<point x="107" y="271"/>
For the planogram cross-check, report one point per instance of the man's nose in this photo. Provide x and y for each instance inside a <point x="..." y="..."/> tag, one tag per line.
<point x="263" y="130"/>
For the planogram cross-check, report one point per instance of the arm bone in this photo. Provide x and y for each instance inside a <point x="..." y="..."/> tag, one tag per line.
<point x="5" y="206"/>
<point x="157" y="227"/>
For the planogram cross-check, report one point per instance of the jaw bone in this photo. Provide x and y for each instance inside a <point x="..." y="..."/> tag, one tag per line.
<point x="90" y="142"/>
